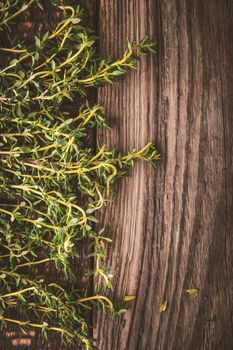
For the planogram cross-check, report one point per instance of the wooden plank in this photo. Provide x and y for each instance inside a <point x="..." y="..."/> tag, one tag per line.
<point x="172" y="227"/>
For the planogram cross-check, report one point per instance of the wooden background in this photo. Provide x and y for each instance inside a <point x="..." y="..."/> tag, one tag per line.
<point x="171" y="226"/>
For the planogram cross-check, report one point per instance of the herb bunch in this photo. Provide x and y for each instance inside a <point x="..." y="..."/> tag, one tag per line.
<point x="51" y="182"/>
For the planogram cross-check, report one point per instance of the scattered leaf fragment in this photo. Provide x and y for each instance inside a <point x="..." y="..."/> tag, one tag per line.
<point x="128" y="298"/>
<point x="192" y="291"/>
<point x="163" y="307"/>
<point x="122" y="311"/>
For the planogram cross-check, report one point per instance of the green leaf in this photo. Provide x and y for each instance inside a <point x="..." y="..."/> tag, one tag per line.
<point x="40" y="219"/>
<point x="74" y="221"/>
<point x="13" y="62"/>
<point x="128" y="298"/>
<point x="36" y="56"/>
<point x="24" y="7"/>
<point x="53" y="64"/>
<point x="26" y="149"/>
<point x="93" y="218"/>
<point x="121" y="312"/>
<point x="25" y="252"/>
<point x="117" y="73"/>
<point x="108" y="80"/>
<point x="90" y="211"/>
<point x="75" y="20"/>
<point x="90" y="43"/>
<point x="21" y="74"/>
<point x="37" y="42"/>
<point x="192" y="291"/>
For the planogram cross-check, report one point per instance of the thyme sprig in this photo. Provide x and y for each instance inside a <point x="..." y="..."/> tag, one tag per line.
<point x="52" y="183"/>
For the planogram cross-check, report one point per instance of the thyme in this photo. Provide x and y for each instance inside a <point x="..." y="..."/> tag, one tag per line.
<point x="52" y="183"/>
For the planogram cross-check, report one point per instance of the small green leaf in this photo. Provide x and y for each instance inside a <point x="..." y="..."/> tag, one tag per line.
<point x="26" y="149"/>
<point x="117" y="72"/>
<point x="129" y="298"/>
<point x="36" y="56"/>
<point x="93" y="219"/>
<point x="121" y="312"/>
<point x="21" y="74"/>
<point x="24" y="7"/>
<point x="73" y="221"/>
<point x="90" y="43"/>
<point x="40" y="219"/>
<point x="25" y="252"/>
<point x="192" y="291"/>
<point x="37" y="42"/>
<point x="90" y="211"/>
<point x="53" y="64"/>
<point x="13" y="62"/>
<point x="75" y="20"/>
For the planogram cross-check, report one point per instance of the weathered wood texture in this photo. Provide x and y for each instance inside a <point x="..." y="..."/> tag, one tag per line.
<point x="172" y="227"/>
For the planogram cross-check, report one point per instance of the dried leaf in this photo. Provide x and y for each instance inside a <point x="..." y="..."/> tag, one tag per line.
<point x="192" y="291"/>
<point x="163" y="307"/>
<point x="129" y="298"/>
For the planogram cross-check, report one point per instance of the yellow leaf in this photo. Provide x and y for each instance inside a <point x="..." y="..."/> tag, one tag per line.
<point x="163" y="307"/>
<point x="129" y="298"/>
<point x="192" y="291"/>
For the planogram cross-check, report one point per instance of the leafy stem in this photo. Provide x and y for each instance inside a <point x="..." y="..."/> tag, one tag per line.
<point x="53" y="180"/>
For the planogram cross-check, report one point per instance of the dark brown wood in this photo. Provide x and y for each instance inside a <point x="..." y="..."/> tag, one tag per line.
<point x="172" y="227"/>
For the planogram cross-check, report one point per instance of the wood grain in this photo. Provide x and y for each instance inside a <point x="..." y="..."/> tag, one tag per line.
<point x="172" y="227"/>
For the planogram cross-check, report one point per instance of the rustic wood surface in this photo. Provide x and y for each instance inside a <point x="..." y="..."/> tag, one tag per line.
<point x="171" y="226"/>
